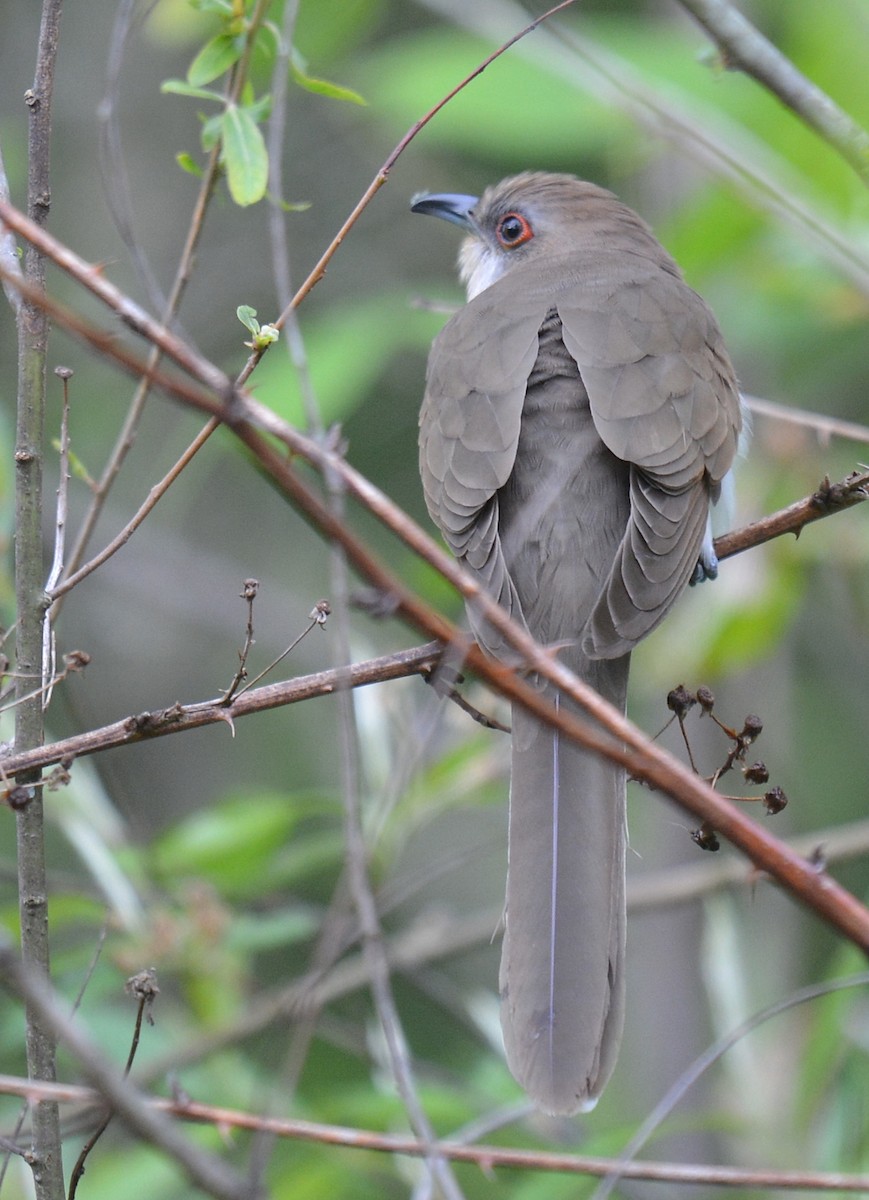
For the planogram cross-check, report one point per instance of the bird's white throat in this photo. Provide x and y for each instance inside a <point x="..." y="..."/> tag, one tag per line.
<point x="479" y="266"/>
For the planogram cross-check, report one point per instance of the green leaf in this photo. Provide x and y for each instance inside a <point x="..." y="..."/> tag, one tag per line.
<point x="321" y="87"/>
<point x="231" y="845"/>
<point x="177" y="87"/>
<point x="259" y="109"/>
<point x="213" y="6"/>
<point x="245" y="156"/>
<point x="189" y="164"/>
<point x="293" y="205"/>
<point x="247" y="316"/>
<point x="214" y="59"/>
<point x="212" y="132"/>
<point x="76" y="466"/>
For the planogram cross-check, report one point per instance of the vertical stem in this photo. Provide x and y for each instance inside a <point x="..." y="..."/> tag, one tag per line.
<point x="31" y="607"/>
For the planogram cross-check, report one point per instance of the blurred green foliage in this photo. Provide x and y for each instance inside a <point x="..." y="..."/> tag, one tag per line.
<point x="218" y="860"/>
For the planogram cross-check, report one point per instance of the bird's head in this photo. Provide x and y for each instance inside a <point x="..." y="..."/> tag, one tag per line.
<point x="530" y="216"/>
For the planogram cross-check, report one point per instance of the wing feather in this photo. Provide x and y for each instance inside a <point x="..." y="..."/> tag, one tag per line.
<point x="477" y="378"/>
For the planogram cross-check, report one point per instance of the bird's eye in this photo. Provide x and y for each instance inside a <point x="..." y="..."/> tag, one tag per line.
<point x="513" y="230"/>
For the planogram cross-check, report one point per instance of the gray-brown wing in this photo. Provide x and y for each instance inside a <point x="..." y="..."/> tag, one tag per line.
<point x="469" y="430"/>
<point x="663" y="397"/>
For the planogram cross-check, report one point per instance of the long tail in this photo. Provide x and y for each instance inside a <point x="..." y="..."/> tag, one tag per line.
<point x="562" y="976"/>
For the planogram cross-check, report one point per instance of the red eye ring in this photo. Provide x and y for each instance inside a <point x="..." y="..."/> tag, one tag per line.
<point x="513" y="230"/>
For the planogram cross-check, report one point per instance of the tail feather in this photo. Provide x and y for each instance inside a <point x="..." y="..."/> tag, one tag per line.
<point x="562" y="977"/>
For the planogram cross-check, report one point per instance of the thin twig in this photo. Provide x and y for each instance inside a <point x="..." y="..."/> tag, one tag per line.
<point x="707" y="1059"/>
<point x="155" y="495"/>
<point x="828" y="499"/>
<point x="177" y="718"/>
<point x="825" y="426"/>
<point x="316" y="620"/>
<point x="721" y="146"/>
<point x="127" y="435"/>
<point x="745" y="48"/>
<point x="215" y="1177"/>
<point x="144" y="987"/>
<point x="248" y="594"/>
<point x="487" y="1157"/>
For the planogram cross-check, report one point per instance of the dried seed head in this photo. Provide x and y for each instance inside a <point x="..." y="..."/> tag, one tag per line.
<point x="680" y="700"/>
<point x="706" y="839"/>
<point x="774" y="801"/>
<point x="756" y="773"/>
<point x="752" y="728"/>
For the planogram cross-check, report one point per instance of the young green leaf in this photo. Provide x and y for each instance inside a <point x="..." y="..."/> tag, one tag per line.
<point x="178" y="87"/>
<point x="321" y="87"/>
<point x="245" y="156"/>
<point x="189" y="164"/>
<point x="247" y="316"/>
<point x="224" y="7"/>
<point x="214" y="59"/>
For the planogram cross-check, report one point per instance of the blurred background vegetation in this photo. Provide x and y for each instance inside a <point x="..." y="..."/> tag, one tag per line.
<point x="215" y="858"/>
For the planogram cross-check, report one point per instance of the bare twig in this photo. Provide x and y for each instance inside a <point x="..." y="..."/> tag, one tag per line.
<point x="744" y="48"/>
<point x="144" y="987"/>
<point x="828" y="499"/>
<point x="215" y="1177"/>
<point x="484" y="1156"/>
<point x="156" y="494"/>
<point x="177" y="717"/>
<point x="316" y="620"/>
<point x="710" y="1056"/>
<point x="824" y="426"/>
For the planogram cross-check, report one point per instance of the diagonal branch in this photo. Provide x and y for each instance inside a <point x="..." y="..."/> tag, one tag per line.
<point x="745" y="48"/>
<point x="262" y="431"/>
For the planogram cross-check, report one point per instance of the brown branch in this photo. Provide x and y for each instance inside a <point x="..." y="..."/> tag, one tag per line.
<point x="178" y="718"/>
<point x="828" y="499"/>
<point x="485" y="1157"/>
<point x="623" y="742"/>
<point x="631" y="747"/>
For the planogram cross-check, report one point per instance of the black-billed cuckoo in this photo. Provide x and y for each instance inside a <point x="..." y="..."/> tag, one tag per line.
<point x="580" y="414"/>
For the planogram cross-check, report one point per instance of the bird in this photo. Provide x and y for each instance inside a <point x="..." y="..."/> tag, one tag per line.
<point x="580" y="414"/>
